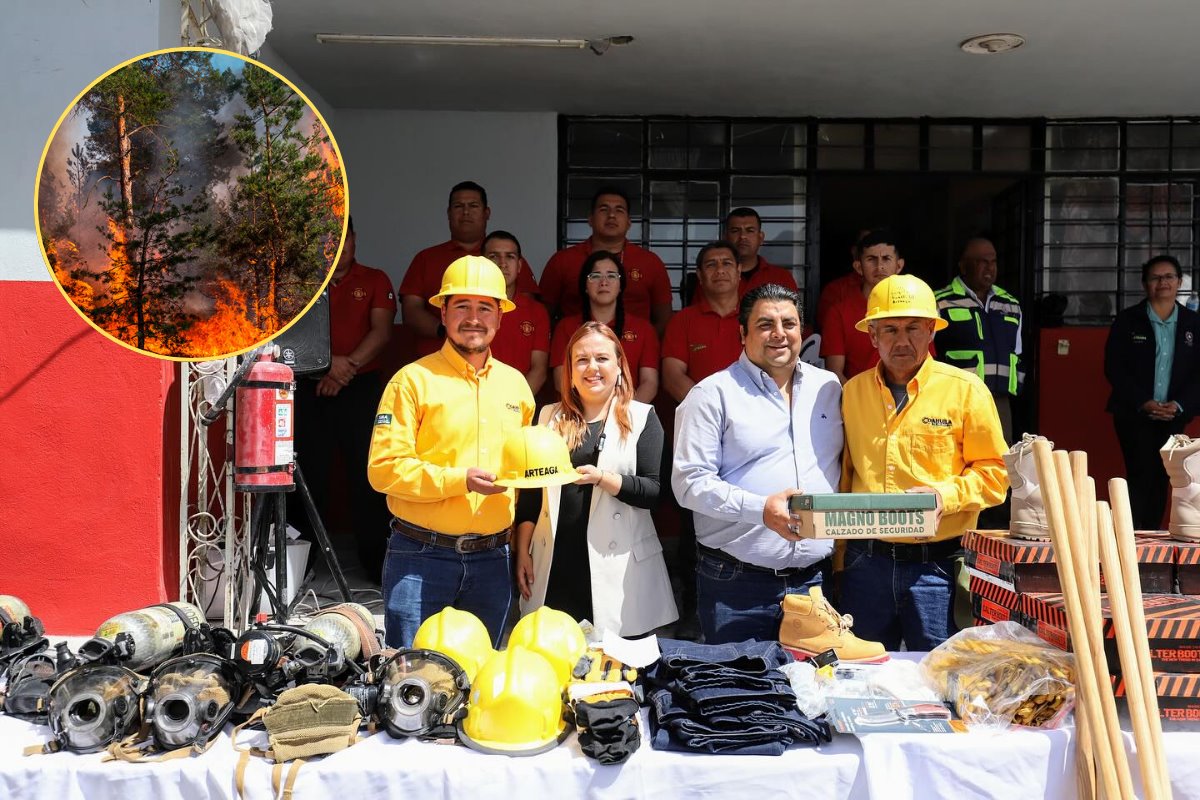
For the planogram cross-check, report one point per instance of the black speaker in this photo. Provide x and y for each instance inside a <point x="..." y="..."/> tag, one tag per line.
<point x="305" y="346"/>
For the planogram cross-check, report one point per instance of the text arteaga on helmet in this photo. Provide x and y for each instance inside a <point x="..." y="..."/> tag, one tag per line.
<point x="538" y="472"/>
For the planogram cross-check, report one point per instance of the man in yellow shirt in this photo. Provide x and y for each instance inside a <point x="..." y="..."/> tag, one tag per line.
<point x="914" y="424"/>
<point x="435" y="452"/>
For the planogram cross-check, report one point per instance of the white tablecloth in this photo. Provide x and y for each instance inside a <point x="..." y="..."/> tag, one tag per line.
<point x="1022" y="765"/>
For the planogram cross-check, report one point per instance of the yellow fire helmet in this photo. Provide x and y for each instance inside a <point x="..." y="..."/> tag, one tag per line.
<point x="534" y="457"/>
<point x="516" y="706"/>
<point x="556" y="636"/>
<point x="901" y="296"/>
<point x="459" y="635"/>
<point x="477" y="276"/>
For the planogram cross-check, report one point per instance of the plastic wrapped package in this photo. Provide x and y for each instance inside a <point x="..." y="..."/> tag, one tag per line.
<point x="896" y="678"/>
<point x="811" y="691"/>
<point x="1000" y="675"/>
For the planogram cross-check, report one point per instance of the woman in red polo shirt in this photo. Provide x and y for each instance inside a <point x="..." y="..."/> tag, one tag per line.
<point x="601" y="284"/>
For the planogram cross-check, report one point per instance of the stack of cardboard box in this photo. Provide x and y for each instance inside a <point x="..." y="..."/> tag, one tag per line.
<point x="1016" y="579"/>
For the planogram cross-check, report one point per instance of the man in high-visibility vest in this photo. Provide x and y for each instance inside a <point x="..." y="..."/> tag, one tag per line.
<point x="983" y="327"/>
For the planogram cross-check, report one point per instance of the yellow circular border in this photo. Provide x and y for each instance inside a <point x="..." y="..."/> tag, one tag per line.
<point x="37" y="222"/>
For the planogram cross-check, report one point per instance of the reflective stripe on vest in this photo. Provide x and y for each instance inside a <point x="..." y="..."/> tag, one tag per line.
<point x="990" y="353"/>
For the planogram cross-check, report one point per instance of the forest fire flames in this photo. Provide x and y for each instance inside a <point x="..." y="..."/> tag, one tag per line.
<point x="334" y="182"/>
<point x="335" y="188"/>
<point x="64" y="256"/>
<point x="227" y="329"/>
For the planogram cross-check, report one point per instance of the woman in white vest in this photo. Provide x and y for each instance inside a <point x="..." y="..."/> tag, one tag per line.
<point x="590" y="548"/>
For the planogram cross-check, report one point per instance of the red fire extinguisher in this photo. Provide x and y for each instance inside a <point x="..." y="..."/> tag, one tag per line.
<point x="263" y="456"/>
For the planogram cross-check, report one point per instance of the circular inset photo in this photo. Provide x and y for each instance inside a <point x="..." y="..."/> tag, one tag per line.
<point x="191" y="203"/>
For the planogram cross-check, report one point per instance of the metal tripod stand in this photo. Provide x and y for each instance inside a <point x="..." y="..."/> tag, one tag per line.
<point x="270" y="513"/>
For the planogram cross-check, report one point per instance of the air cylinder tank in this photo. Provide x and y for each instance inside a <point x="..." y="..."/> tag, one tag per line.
<point x="156" y="633"/>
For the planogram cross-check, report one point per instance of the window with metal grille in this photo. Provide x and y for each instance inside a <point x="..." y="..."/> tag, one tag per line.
<point x="1114" y="192"/>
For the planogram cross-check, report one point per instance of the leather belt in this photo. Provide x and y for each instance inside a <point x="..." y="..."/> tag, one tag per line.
<point x="463" y="543"/>
<point x="721" y="555"/>
<point x="921" y="553"/>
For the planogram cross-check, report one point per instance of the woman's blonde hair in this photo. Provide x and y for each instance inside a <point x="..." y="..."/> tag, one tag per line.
<point x="570" y="421"/>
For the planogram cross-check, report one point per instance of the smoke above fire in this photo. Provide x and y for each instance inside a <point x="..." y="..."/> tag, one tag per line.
<point x="200" y="263"/>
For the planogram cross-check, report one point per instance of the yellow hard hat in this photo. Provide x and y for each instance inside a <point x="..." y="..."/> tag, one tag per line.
<point x="901" y="296"/>
<point x="555" y="635"/>
<point x="457" y="634"/>
<point x="515" y="707"/>
<point x="474" y="275"/>
<point x="535" y="456"/>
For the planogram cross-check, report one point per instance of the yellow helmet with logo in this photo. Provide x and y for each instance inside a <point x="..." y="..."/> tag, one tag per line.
<point x="515" y="707"/>
<point x="535" y="456"/>
<point x="457" y="634"/>
<point x="477" y="276"/>
<point x="555" y="635"/>
<point x="901" y="296"/>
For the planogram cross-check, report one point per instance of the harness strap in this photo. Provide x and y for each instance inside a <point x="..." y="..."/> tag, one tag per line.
<point x="289" y="784"/>
<point x="240" y="774"/>
<point x="366" y="634"/>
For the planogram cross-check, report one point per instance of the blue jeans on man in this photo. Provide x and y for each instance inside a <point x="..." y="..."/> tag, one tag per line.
<point x="900" y="593"/>
<point x="736" y="601"/>
<point x="420" y="580"/>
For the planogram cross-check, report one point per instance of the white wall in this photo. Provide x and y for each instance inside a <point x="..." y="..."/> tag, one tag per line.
<point x="272" y="59"/>
<point x="49" y="52"/>
<point x="401" y="165"/>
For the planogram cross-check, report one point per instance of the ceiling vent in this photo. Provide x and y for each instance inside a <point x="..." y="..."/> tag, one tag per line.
<point x="992" y="43"/>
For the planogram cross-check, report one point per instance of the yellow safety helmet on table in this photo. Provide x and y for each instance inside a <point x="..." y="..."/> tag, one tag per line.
<point x="474" y="275"/>
<point x="457" y="634"/>
<point x="516" y="706"/>
<point x="901" y="296"/>
<point x="556" y="636"/>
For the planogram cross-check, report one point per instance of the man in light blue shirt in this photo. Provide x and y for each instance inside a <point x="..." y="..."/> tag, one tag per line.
<point x="746" y="439"/>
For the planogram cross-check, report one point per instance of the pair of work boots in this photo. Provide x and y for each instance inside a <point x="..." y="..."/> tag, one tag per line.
<point x="1181" y="458"/>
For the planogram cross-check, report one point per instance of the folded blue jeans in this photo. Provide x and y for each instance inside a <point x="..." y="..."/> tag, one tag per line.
<point x="729" y="698"/>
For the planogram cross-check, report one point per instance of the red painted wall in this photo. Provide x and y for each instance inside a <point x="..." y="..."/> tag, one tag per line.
<point x="1072" y="394"/>
<point x="82" y="493"/>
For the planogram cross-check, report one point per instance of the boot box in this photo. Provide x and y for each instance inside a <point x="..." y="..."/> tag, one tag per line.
<point x="1178" y="697"/>
<point x="992" y="600"/>
<point x="1172" y="626"/>
<point x="1187" y="566"/>
<point x="908" y="515"/>
<point x="1029" y="566"/>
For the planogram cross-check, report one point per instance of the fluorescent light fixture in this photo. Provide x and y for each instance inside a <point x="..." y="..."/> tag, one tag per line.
<point x="598" y="46"/>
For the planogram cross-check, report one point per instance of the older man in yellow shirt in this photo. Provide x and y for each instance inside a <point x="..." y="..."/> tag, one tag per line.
<point x="914" y="424"/>
<point x="435" y="452"/>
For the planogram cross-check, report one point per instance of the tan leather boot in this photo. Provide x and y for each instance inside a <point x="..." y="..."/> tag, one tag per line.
<point x="1181" y="457"/>
<point x="811" y="626"/>
<point x="1027" y="518"/>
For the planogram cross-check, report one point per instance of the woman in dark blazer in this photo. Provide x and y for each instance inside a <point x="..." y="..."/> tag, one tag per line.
<point x="1154" y="394"/>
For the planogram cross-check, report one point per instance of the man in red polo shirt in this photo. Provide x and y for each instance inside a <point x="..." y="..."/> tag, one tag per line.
<point x="743" y="230"/>
<point x="846" y="350"/>
<point x="704" y="337"/>
<point x="648" y="287"/>
<point x="334" y="413"/>
<point x="839" y="288"/>
<point x="523" y="339"/>
<point x="468" y="215"/>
